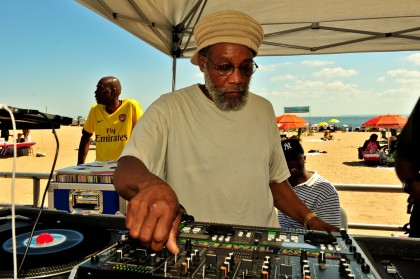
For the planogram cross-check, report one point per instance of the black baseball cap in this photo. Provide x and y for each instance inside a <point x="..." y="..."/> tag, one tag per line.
<point x="292" y="148"/>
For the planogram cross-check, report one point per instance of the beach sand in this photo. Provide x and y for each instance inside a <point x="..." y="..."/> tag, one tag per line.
<point x="339" y="164"/>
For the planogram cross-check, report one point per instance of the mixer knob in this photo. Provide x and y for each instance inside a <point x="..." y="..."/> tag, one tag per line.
<point x="357" y="255"/>
<point x="321" y="257"/>
<point x="352" y="248"/>
<point x="183" y="269"/>
<point x="140" y="254"/>
<point x="347" y="272"/>
<point x="188" y="263"/>
<point x="119" y="254"/>
<point x="227" y="265"/>
<point x="361" y="260"/>
<point x="349" y="241"/>
<point x="197" y="257"/>
<point x="211" y="260"/>
<point x="303" y="255"/>
<point x="123" y="236"/>
<point x="223" y="272"/>
<point x="164" y="253"/>
<point x="94" y="259"/>
<point x="321" y="260"/>
<point x="306" y="274"/>
<point x="255" y="253"/>
<point x="188" y="246"/>
<point x="153" y="259"/>
<point x="265" y="272"/>
<point x="365" y="268"/>
<point x="246" y="264"/>
<point x="342" y="267"/>
<point x="232" y="259"/>
<point x="267" y="264"/>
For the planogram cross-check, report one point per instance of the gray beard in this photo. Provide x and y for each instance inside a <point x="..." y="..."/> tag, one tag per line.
<point x="218" y="95"/>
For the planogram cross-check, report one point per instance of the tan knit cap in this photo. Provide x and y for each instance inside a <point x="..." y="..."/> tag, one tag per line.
<point x="227" y="27"/>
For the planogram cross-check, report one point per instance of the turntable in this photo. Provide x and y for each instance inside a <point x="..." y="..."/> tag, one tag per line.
<point x="60" y="241"/>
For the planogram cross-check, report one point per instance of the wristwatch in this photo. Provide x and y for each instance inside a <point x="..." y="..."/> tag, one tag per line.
<point x="407" y="184"/>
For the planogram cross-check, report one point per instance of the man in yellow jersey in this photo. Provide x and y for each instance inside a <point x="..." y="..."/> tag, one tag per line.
<point x="111" y="119"/>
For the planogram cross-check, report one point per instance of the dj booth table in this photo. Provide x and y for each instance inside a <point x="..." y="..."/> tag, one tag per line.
<point x="98" y="246"/>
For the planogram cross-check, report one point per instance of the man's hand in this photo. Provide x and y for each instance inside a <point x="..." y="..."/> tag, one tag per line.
<point x="319" y="225"/>
<point x="153" y="217"/>
<point x="153" y="209"/>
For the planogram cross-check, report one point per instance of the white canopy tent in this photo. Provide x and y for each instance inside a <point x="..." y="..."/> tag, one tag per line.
<point x="290" y="27"/>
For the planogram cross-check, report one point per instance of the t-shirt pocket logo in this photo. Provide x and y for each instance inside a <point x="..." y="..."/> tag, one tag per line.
<point x="122" y="117"/>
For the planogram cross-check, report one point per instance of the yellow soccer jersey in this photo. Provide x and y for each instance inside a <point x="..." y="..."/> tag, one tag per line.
<point x="112" y="131"/>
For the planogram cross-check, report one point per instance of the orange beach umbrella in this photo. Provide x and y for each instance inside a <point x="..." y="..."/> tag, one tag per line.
<point x="387" y="121"/>
<point x="291" y="121"/>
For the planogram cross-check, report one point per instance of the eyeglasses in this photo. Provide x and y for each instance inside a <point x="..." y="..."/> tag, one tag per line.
<point x="226" y="69"/>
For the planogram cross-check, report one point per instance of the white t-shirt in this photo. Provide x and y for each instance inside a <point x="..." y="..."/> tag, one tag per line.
<point x="219" y="163"/>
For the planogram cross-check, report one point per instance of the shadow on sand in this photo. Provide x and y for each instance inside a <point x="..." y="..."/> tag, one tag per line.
<point x="355" y="164"/>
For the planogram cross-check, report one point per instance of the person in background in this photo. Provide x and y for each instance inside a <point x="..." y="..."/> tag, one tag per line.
<point x="213" y="147"/>
<point x="372" y="146"/>
<point x="111" y="119"/>
<point x="26" y="135"/>
<point x="328" y="135"/>
<point x="319" y="195"/>
<point x="20" y="138"/>
<point x="4" y="133"/>
<point x="407" y="166"/>
<point x="300" y="134"/>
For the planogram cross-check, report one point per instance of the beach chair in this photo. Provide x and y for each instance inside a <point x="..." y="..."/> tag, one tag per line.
<point x="372" y="159"/>
<point x="344" y="220"/>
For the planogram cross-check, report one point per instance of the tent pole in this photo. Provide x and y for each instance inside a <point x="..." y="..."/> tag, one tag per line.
<point x="173" y="73"/>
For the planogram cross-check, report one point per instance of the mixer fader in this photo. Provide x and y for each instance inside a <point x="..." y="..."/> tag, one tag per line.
<point x="228" y="251"/>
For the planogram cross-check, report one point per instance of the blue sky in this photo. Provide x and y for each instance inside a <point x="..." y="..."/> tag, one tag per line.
<point x="53" y="52"/>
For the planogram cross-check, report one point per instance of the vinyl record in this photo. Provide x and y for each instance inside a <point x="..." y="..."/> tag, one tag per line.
<point x="51" y="247"/>
<point x="44" y="241"/>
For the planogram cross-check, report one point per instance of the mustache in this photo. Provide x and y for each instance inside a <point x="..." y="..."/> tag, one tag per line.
<point x="239" y="88"/>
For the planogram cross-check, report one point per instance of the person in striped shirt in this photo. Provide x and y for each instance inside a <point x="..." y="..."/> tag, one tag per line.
<point x="319" y="195"/>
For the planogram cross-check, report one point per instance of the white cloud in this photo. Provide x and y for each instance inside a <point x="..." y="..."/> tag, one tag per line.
<point x="283" y="77"/>
<point x="262" y="92"/>
<point x="320" y="86"/>
<point x="271" y="67"/>
<point x="414" y="58"/>
<point x="339" y="85"/>
<point x="309" y="84"/>
<point x="404" y="72"/>
<point x="381" y="79"/>
<point x="408" y="81"/>
<point x="316" y="63"/>
<point x="335" y="72"/>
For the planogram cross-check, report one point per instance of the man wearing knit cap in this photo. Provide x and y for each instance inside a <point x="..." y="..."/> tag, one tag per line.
<point x="213" y="147"/>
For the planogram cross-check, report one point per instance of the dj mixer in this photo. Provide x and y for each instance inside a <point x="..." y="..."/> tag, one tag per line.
<point x="229" y="251"/>
<point x="77" y="246"/>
